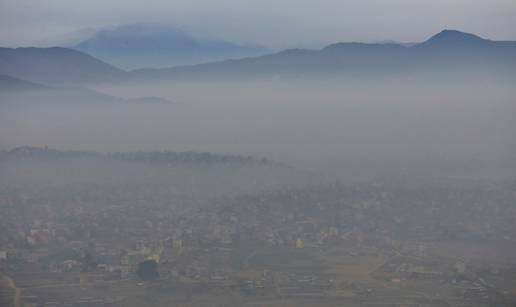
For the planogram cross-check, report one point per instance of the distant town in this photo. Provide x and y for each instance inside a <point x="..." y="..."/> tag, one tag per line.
<point x="434" y="243"/>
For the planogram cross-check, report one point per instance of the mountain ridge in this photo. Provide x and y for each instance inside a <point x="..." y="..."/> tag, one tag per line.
<point x="439" y="54"/>
<point x="449" y="51"/>
<point x="55" y="66"/>
<point x="146" y="45"/>
<point x="8" y="83"/>
<point x="18" y="92"/>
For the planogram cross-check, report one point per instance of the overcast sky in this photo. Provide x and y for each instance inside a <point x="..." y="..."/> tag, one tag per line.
<point x="272" y="23"/>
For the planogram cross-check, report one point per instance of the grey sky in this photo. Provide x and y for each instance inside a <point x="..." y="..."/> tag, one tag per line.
<point x="273" y="23"/>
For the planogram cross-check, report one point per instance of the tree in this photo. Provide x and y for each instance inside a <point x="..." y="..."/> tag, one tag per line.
<point x="147" y="270"/>
<point x="88" y="263"/>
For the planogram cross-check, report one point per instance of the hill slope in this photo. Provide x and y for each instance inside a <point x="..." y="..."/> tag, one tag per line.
<point x="10" y="84"/>
<point x="168" y="178"/>
<point x="55" y="66"/>
<point x="19" y="93"/>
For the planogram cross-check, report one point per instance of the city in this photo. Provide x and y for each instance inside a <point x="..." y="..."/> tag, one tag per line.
<point x="438" y="243"/>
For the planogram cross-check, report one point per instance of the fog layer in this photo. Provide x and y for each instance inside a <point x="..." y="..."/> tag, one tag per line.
<point x="349" y="130"/>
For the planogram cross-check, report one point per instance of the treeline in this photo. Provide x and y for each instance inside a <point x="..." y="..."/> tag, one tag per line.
<point x="165" y="157"/>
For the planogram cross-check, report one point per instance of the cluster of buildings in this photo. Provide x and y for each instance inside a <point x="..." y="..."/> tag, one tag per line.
<point x="60" y="239"/>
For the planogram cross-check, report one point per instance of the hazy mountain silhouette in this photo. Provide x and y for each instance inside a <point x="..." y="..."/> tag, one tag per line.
<point x="20" y="93"/>
<point x="137" y="46"/>
<point x="68" y="39"/>
<point x="447" y="52"/>
<point x="448" y="38"/>
<point x="10" y="84"/>
<point x="55" y="66"/>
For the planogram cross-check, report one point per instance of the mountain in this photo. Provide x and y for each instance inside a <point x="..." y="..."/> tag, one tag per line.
<point x="10" y="84"/>
<point x="453" y="38"/>
<point x="66" y="39"/>
<point x="17" y="93"/>
<point x="137" y="46"/>
<point x="449" y="52"/>
<point x="56" y="66"/>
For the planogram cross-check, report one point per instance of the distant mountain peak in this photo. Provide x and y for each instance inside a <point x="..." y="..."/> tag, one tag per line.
<point x="150" y="32"/>
<point x="454" y="37"/>
<point x="137" y="46"/>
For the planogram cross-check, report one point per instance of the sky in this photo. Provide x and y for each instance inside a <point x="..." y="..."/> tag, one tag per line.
<point x="270" y="23"/>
